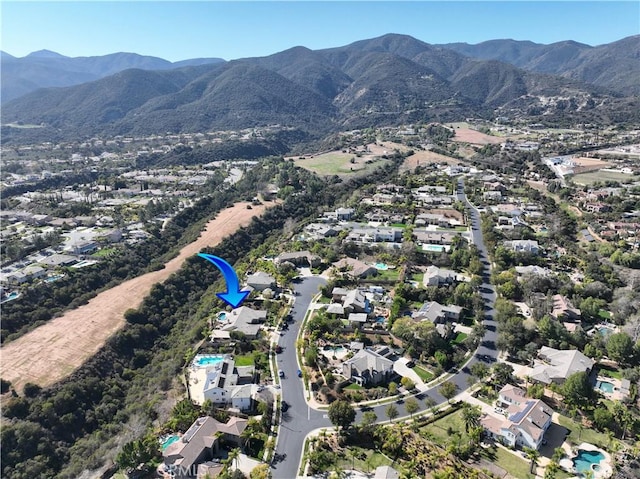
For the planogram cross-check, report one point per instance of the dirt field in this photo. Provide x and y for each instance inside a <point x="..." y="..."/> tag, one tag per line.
<point x="425" y="157"/>
<point x="54" y="350"/>
<point x="467" y="135"/>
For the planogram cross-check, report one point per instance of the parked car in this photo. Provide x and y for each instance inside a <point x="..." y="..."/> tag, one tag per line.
<point x="284" y="406"/>
<point x="281" y="374"/>
<point x="299" y="373"/>
<point x="411" y="364"/>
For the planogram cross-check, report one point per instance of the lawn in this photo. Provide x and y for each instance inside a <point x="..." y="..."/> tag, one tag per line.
<point x="369" y="462"/>
<point x="441" y="430"/>
<point x="354" y="387"/>
<point x="459" y="338"/>
<point x="579" y="435"/>
<point x="425" y="375"/>
<point x="606" y="315"/>
<point x="593" y="176"/>
<point x="609" y="371"/>
<point x="104" y="252"/>
<point x="508" y="461"/>
<point x="244" y="361"/>
<point x="388" y="274"/>
<point x="337" y="163"/>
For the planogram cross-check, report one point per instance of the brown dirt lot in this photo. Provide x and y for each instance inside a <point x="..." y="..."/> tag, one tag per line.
<point x="425" y="157"/>
<point x="467" y="135"/>
<point x="54" y="350"/>
<point x="584" y="165"/>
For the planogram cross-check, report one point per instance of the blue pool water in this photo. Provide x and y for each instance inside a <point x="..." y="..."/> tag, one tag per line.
<point x="51" y="279"/>
<point x="222" y="316"/>
<point x="585" y="459"/>
<point x="604" y="332"/>
<point x="605" y="386"/>
<point x="168" y="441"/>
<point x="208" y="360"/>
<point x="380" y="319"/>
<point x="433" y="247"/>
<point x="11" y="296"/>
<point x="381" y="266"/>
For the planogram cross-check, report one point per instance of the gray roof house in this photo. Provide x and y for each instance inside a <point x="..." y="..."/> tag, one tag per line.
<point x="437" y="313"/>
<point x="298" y="258"/>
<point x="435" y="276"/>
<point x="260" y="281"/>
<point x="199" y="444"/>
<point x="245" y="320"/>
<point x="554" y="365"/>
<point x="367" y="367"/>
<point x="356" y="268"/>
<point x="355" y="301"/>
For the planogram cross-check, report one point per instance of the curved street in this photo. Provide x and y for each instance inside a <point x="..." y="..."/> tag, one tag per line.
<point x="301" y="419"/>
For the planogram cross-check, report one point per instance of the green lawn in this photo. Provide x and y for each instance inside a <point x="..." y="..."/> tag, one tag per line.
<point x="517" y="467"/>
<point x="367" y="460"/>
<point x="604" y="314"/>
<point x="609" y="371"/>
<point x="244" y="361"/>
<point x="337" y="163"/>
<point x="441" y="430"/>
<point x="104" y="252"/>
<point x="388" y="274"/>
<point x="354" y="387"/>
<point x="425" y="375"/>
<point x="579" y="435"/>
<point x="459" y="338"/>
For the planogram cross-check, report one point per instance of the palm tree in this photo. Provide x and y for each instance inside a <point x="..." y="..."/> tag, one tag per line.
<point x="532" y="455"/>
<point x="551" y="470"/>
<point x="471" y="416"/>
<point x="234" y="456"/>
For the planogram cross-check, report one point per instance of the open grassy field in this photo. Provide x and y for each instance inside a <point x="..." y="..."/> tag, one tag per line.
<point x="600" y="175"/>
<point x="338" y="163"/>
<point x="426" y="157"/>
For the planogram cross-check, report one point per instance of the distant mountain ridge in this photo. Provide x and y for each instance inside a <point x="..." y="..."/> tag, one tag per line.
<point x="44" y="68"/>
<point x="389" y="80"/>
<point x="615" y="65"/>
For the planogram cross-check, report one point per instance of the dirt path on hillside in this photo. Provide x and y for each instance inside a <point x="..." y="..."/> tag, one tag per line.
<point x="55" y="349"/>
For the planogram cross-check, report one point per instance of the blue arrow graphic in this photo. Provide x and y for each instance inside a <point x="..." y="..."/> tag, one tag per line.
<point x="233" y="296"/>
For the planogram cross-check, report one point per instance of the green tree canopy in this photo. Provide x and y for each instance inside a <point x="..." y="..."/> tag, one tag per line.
<point x="341" y="414"/>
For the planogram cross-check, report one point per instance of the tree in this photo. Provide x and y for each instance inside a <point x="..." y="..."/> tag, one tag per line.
<point x="234" y="457"/>
<point x="448" y="390"/>
<point x="503" y="373"/>
<point x="261" y="471"/>
<point x="391" y="411"/>
<point x="341" y="414"/>
<point x="412" y="406"/>
<point x="620" y="347"/>
<point x="407" y="383"/>
<point x="470" y="416"/>
<point x="551" y="470"/>
<point x="369" y="418"/>
<point x="577" y="390"/>
<point x="480" y="371"/>
<point x="532" y="455"/>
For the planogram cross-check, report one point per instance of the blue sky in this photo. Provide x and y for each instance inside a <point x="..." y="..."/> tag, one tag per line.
<point x="239" y="29"/>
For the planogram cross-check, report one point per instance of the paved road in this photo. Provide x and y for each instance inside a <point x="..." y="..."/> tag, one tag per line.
<point x="300" y="419"/>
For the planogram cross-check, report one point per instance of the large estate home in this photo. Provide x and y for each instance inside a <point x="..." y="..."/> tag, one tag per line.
<point x="368" y="368"/>
<point x="526" y="422"/>
<point x="555" y="366"/>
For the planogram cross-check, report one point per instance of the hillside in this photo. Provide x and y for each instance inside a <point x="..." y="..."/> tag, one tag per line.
<point x="615" y="66"/>
<point x="388" y="80"/>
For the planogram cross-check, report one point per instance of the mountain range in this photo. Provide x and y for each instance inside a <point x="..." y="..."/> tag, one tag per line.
<point x="387" y="80"/>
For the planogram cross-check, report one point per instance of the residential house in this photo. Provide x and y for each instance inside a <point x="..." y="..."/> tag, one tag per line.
<point x="555" y="366"/>
<point x="58" y="260"/>
<point x="437" y="313"/>
<point x="298" y="258"/>
<point x="355" y="301"/>
<point x="533" y="269"/>
<point x="355" y="268"/>
<point x="368" y="234"/>
<point x="435" y="276"/>
<point x="245" y="320"/>
<point x="260" y="281"/>
<point x="523" y="246"/>
<point x="357" y="320"/>
<point x="435" y="237"/>
<point x="526" y="423"/>
<point x="199" y="444"/>
<point x="563" y="309"/>
<point x="368" y="368"/>
<point x="215" y="377"/>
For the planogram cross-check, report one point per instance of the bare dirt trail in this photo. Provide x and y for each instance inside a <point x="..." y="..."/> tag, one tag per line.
<point x="57" y="348"/>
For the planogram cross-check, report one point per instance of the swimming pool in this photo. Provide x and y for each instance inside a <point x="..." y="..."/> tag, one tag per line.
<point x="168" y="441"/>
<point x="604" y="332"/>
<point x="381" y="266"/>
<point x="587" y="461"/>
<point x="208" y="360"/>
<point x="53" y="278"/>
<point x="605" y="386"/>
<point x="222" y="316"/>
<point x="11" y="297"/>
<point x="380" y="319"/>
<point x="433" y="247"/>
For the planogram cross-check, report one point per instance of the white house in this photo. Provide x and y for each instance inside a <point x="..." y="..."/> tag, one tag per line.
<point x="526" y="422"/>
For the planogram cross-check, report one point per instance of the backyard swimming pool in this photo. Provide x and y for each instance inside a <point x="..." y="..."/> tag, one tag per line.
<point x="381" y="266"/>
<point x="587" y="461"/>
<point x="605" y="386"/>
<point x="208" y="360"/>
<point x="433" y="247"/>
<point x="166" y="442"/>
